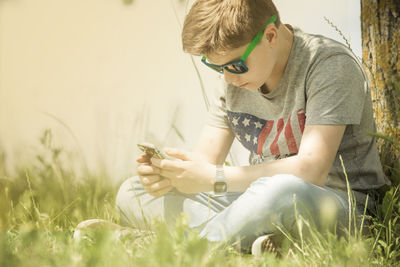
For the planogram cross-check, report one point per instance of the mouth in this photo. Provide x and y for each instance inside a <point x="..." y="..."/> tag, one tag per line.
<point x="243" y="85"/>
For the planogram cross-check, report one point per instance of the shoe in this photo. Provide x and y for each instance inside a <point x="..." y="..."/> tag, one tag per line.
<point x="264" y="244"/>
<point x="85" y="227"/>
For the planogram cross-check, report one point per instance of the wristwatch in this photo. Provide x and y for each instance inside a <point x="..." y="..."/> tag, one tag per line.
<point x="220" y="184"/>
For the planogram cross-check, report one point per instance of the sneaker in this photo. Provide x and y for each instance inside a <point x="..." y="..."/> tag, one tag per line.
<point x="83" y="228"/>
<point x="264" y="244"/>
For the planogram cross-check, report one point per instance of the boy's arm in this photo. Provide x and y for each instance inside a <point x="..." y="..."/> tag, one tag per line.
<point x="318" y="149"/>
<point x="214" y="144"/>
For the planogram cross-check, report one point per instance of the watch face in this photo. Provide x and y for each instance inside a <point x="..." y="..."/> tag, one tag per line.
<point x="220" y="187"/>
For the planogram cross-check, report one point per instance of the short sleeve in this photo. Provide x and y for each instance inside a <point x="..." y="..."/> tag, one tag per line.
<point x="336" y="90"/>
<point x="217" y="115"/>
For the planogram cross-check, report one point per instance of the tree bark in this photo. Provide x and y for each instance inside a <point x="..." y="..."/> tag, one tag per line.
<point x="380" y="25"/>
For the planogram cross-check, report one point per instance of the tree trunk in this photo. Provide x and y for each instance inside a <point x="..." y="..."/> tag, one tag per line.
<point x="380" y="24"/>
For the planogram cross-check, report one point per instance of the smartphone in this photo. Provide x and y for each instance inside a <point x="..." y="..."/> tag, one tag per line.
<point x="152" y="151"/>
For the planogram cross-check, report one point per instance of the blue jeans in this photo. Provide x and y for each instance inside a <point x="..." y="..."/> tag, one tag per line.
<point x="267" y="205"/>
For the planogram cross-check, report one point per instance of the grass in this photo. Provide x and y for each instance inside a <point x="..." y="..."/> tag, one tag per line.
<point x="42" y="203"/>
<point x="44" y="200"/>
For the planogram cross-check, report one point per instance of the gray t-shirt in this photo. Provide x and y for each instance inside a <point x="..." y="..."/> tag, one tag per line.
<point x="323" y="83"/>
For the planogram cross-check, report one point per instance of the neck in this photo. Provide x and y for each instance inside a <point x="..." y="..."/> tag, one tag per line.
<point x="286" y="37"/>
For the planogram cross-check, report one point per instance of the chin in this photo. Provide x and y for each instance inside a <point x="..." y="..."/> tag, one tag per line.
<point x="250" y="87"/>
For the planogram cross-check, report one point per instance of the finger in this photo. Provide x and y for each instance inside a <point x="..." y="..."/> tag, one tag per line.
<point x="166" y="164"/>
<point x="178" y="153"/>
<point x="158" y="185"/>
<point x="147" y="170"/>
<point x="168" y="174"/>
<point x="161" y="192"/>
<point x="150" y="179"/>
<point x="143" y="159"/>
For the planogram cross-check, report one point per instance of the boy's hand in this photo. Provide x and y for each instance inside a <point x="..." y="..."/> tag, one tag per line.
<point x="191" y="175"/>
<point x="150" y="178"/>
<point x="143" y="159"/>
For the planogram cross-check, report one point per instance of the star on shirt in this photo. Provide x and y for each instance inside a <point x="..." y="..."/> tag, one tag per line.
<point x="249" y="130"/>
<point x="246" y="122"/>
<point x="258" y="125"/>
<point x="255" y="140"/>
<point x="235" y="121"/>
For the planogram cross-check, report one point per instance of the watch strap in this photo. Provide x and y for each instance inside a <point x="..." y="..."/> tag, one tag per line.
<point x="220" y="185"/>
<point x="220" y="175"/>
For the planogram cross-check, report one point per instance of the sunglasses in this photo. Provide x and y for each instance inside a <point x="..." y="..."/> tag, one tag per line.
<point x="238" y="66"/>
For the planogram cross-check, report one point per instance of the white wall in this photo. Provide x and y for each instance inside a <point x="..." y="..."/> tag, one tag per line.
<point x="113" y="74"/>
<point x="309" y="15"/>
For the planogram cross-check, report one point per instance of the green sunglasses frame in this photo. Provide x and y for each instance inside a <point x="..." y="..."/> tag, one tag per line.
<point x="240" y="62"/>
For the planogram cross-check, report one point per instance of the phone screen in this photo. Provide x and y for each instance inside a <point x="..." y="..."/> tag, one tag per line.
<point x="151" y="150"/>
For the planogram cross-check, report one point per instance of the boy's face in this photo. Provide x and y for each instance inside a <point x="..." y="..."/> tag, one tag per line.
<point x="260" y="64"/>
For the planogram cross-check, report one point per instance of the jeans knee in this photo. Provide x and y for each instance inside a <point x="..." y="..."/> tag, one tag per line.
<point x="290" y="195"/>
<point x="135" y="206"/>
<point x="283" y="195"/>
<point x="125" y="190"/>
<point x="282" y="186"/>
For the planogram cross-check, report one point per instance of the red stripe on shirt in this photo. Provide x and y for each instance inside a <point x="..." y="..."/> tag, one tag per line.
<point x="263" y="136"/>
<point x="301" y="116"/>
<point x="290" y="140"/>
<point x="274" y="146"/>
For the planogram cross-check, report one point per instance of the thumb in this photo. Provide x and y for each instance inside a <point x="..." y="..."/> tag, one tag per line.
<point x="178" y="153"/>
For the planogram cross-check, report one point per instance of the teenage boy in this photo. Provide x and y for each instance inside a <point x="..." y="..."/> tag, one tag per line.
<point x="298" y="102"/>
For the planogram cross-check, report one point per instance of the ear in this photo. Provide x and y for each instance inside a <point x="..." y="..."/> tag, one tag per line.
<point x="271" y="35"/>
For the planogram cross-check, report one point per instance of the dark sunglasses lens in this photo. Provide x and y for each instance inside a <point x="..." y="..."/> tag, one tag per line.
<point x="236" y="68"/>
<point x="212" y="66"/>
<point x="220" y="70"/>
<point x="240" y="68"/>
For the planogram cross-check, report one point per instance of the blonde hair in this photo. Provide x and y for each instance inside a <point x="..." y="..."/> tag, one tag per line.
<point x="217" y="26"/>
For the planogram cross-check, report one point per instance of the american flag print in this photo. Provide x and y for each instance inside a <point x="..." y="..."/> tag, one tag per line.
<point x="268" y="137"/>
